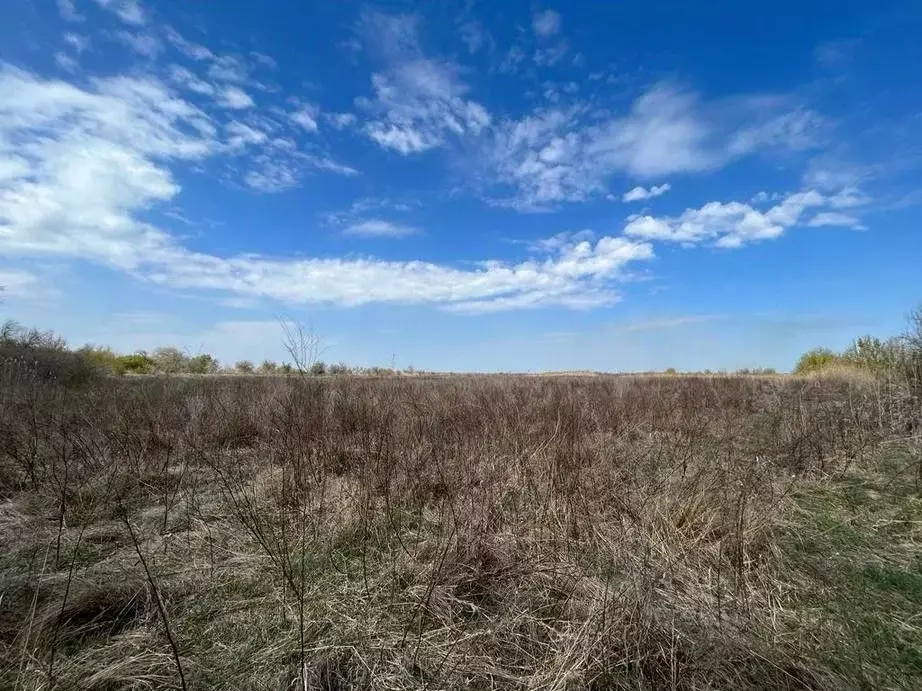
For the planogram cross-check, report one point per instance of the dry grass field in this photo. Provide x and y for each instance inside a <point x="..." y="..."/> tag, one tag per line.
<point x="485" y="532"/>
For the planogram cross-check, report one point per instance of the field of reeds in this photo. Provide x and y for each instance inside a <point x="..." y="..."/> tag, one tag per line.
<point x="495" y="532"/>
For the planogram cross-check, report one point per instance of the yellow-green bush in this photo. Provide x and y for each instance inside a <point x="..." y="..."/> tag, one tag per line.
<point x="816" y="360"/>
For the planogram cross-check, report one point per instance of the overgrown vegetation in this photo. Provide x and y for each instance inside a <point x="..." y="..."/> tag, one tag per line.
<point x="477" y="532"/>
<point x="318" y="532"/>
<point x="899" y="357"/>
<point x="49" y="354"/>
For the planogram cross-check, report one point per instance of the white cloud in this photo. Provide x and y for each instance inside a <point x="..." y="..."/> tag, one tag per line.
<point x="730" y="224"/>
<point x="830" y="172"/>
<point x="794" y="130"/>
<point x="235" y="98"/>
<point x="561" y="240"/>
<point x="565" y="154"/>
<point x="272" y="176"/>
<point x="101" y="164"/>
<point x="579" y="276"/>
<point x="228" y="68"/>
<point x="546" y="23"/>
<point x="66" y="62"/>
<point x="418" y="101"/>
<point x="340" y="121"/>
<point x="306" y="117"/>
<point x="546" y="57"/>
<point x="848" y="198"/>
<point x="92" y="168"/>
<point x="514" y="57"/>
<point x="278" y="164"/>
<point x="788" y="212"/>
<point x="77" y="42"/>
<point x="129" y="11"/>
<point x="662" y="134"/>
<point x="221" y="68"/>
<point x="355" y="214"/>
<point x="188" y="80"/>
<point x="405" y="140"/>
<point x="764" y="197"/>
<point x="190" y="49"/>
<point x="264" y="60"/>
<point x="639" y="193"/>
<point x="379" y="228"/>
<point x="328" y="164"/>
<point x="241" y="135"/>
<point x="142" y="44"/>
<point x="68" y="11"/>
<point x="836" y="219"/>
<point x="543" y="159"/>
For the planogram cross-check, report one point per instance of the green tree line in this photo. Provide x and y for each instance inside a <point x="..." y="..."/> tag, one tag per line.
<point x="47" y="353"/>
<point x="899" y="356"/>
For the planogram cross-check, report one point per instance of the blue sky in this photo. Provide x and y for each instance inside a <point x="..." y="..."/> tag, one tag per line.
<point x="512" y="186"/>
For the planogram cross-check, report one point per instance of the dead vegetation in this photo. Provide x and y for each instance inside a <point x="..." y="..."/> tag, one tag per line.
<point x="483" y="532"/>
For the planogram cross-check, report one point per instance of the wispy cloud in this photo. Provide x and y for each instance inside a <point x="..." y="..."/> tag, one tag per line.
<point x="66" y="62"/>
<point x="129" y="11"/>
<point x="241" y="135"/>
<point x="546" y="24"/>
<point x="306" y="117"/>
<point x="662" y="323"/>
<point x="557" y="242"/>
<point x="68" y="11"/>
<point x="360" y="210"/>
<point x="329" y="165"/>
<point x="235" y="98"/>
<point x="340" y="121"/>
<point x="78" y="42"/>
<point x="366" y="218"/>
<point x="379" y="228"/>
<point x="264" y="60"/>
<point x="473" y="34"/>
<point x="419" y="101"/>
<point x="512" y="60"/>
<point x="143" y="44"/>
<point x="229" y="68"/>
<point x="639" y="194"/>
<point x="190" y="49"/>
<point x="272" y="176"/>
<point x="551" y="55"/>
<point x="562" y="155"/>
<point x="186" y="79"/>
<point x="835" y="219"/>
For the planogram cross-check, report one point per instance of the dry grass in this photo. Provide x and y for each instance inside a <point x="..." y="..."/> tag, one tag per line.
<point x="435" y="533"/>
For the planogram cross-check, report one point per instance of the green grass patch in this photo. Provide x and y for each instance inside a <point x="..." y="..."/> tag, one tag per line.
<point x="852" y="553"/>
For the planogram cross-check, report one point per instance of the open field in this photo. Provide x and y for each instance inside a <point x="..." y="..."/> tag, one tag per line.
<point x="482" y="532"/>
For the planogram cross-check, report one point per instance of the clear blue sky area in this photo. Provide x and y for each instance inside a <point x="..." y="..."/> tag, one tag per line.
<point x="463" y="185"/>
